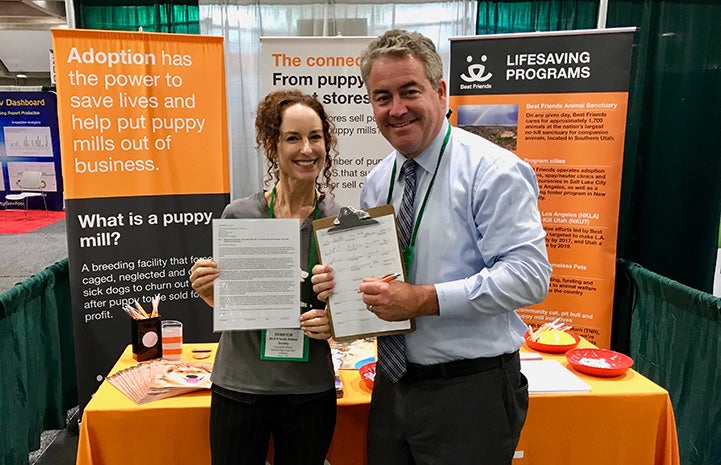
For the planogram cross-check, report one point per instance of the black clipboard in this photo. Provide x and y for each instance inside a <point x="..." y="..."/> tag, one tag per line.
<point x="358" y="244"/>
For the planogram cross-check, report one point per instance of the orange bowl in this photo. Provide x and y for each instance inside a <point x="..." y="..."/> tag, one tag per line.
<point x="599" y="362"/>
<point x="368" y="374"/>
<point x="552" y="348"/>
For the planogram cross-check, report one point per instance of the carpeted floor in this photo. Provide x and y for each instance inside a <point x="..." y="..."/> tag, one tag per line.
<point x="20" y="222"/>
<point x="58" y="447"/>
<point x="24" y="255"/>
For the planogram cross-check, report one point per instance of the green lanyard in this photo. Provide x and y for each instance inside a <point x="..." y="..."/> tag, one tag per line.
<point x="316" y="212"/>
<point x="408" y="251"/>
<point x="308" y="286"/>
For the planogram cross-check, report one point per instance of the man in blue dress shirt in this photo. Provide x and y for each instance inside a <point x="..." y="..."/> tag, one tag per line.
<point x="475" y="253"/>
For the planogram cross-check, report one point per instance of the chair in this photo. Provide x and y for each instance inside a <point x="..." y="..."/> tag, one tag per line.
<point x="30" y="183"/>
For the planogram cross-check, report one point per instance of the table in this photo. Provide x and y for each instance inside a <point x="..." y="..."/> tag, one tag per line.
<point x="623" y="420"/>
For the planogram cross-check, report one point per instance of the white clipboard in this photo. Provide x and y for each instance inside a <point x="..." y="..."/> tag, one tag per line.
<point x="359" y="244"/>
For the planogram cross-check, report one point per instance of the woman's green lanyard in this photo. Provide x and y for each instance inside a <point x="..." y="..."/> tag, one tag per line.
<point x="408" y="251"/>
<point x="274" y="353"/>
<point x="316" y="212"/>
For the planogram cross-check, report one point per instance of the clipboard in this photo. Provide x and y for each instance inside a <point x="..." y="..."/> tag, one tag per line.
<point x="359" y="244"/>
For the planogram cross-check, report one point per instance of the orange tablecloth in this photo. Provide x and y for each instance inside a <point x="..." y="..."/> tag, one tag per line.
<point x="623" y="420"/>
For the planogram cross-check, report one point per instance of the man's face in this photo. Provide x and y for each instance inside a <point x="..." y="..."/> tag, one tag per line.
<point x="408" y="110"/>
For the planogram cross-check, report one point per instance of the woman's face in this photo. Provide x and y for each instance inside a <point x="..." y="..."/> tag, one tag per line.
<point x="301" y="146"/>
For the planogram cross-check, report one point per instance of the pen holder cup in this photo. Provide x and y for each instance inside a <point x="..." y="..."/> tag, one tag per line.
<point x="146" y="339"/>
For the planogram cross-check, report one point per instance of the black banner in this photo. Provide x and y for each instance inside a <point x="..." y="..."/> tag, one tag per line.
<point x="541" y="64"/>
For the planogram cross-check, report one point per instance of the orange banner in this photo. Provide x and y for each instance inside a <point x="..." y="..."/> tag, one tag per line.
<point x="145" y="164"/>
<point x="139" y="113"/>
<point x="558" y="101"/>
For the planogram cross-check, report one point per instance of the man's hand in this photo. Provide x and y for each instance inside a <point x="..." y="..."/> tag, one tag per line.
<point x="396" y="300"/>
<point x="202" y="275"/>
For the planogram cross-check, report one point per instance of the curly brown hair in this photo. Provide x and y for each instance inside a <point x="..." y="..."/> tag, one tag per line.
<point x="267" y="131"/>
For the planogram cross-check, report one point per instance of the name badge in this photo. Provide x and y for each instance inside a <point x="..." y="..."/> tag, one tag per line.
<point x="290" y="345"/>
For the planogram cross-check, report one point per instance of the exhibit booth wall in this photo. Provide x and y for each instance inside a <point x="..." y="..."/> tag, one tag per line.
<point x="37" y="355"/>
<point x="669" y="220"/>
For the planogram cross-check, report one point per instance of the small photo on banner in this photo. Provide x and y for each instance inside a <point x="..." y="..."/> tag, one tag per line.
<point x="497" y="123"/>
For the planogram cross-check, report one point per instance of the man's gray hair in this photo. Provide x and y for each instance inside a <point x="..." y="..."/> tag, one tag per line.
<point x="399" y="43"/>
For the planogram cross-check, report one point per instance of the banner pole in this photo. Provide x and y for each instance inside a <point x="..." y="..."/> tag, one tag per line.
<point x="602" y="13"/>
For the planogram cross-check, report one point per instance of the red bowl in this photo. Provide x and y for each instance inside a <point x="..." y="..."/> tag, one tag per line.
<point x="552" y="348"/>
<point x="599" y="362"/>
<point x="368" y="374"/>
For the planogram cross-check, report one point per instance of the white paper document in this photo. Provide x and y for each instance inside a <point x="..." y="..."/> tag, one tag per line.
<point x="530" y="356"/>
<point x="549" y="376"/>
<point x="357" y="253"/>
<point x="259" y="282"/>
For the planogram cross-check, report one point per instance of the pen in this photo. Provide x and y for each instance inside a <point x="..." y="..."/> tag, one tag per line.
<point x="141" y="310"/>
<point x="390" y="277"/>
<point x="386" y="278"/>
<point x="134" y="313"/>
<point x="156" y="302"/>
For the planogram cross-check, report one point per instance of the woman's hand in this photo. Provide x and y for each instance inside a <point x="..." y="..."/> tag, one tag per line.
<point x="202" y="275"/>
<point x="323" y="282"/>
<point x="315" y="324"/>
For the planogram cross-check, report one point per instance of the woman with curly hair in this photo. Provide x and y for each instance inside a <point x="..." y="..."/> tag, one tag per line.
<point x="255" y="396"/>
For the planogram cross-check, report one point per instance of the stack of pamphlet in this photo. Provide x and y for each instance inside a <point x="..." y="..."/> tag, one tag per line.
<point x="158" y="379"/>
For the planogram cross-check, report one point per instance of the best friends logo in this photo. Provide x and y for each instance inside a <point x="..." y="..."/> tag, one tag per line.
<point x="476" y="74"/>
